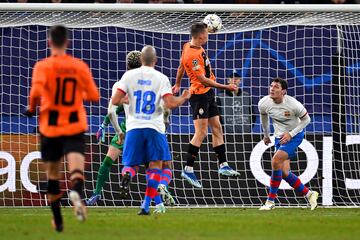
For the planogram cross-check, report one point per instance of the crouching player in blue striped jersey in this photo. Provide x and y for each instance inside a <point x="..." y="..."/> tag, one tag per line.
<point x="116" y="148"/>
<point x="289" y="118"/>
<point x="145" y="140"/>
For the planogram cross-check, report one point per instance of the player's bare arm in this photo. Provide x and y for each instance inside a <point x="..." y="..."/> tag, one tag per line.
<point x="172" y="102"/>
<point x="267" y="140"/>
<point x="118" y="97"/>
<point x="179" y="76"/>
<point x="210" y="83"/>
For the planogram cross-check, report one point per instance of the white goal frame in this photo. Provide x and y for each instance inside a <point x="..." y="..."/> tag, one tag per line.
<point x="288" y="15"/>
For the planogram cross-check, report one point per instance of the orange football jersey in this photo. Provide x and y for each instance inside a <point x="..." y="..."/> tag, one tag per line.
<point x="196" y="62"/>
<point x="62" y="83"/>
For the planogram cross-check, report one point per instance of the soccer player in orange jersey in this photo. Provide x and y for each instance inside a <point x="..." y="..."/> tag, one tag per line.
<point x="203" y="105"/>
<point x="60" y="84"/>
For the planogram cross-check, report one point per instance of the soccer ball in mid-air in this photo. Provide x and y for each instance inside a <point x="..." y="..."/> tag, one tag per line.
<point x="213" y="23"/>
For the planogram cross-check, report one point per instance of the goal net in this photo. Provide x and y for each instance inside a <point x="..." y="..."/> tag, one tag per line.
<point x="316" y="50"/>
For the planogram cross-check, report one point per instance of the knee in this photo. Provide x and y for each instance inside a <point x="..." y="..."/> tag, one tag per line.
<point x="276" y="163"/>
<point x="279" y="161"/>
<point x="155" y="164"/>
<point x="201" y="133"/>
<point x="167" y="164"/>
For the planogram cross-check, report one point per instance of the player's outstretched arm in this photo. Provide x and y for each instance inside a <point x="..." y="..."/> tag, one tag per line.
<point x="210" y="83"/>
<point x="172" y="102"/>
<point x="179" y="76"/>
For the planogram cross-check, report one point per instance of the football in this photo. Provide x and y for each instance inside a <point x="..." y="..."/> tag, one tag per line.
<point x="213" y="23"/>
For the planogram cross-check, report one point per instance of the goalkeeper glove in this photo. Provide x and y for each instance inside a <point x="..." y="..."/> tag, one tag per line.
<point x="100" y="134"/>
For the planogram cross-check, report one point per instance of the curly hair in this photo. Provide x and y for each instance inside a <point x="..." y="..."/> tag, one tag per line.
<point x="133" y="60"/>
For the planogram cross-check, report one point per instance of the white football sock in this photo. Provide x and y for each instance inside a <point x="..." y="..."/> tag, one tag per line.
<point x="224" y="164"/>
<point x="308" y="193"/>
<point x="189" y="169"/>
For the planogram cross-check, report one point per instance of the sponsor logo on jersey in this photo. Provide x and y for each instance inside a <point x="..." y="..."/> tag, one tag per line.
<point x="287" y="114"/>
<point x="195" y="64"/>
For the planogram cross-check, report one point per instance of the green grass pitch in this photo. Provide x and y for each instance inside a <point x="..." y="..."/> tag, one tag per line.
<point x="187" y="224"/>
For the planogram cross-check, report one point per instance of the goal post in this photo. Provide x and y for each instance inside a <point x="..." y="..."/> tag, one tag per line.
<point x="316" y="48"/>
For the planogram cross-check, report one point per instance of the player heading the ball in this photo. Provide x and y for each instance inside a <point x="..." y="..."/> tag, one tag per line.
<point x="205" y="111"/>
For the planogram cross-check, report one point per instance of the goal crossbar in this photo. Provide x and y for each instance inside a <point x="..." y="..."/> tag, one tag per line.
<point x="276" y="8"/>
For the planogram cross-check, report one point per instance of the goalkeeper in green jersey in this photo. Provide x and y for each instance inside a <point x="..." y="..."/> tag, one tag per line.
<point x="116" y="147"/>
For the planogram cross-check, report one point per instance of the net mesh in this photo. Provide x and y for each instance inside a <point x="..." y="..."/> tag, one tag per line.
<point x="174" y="22"/>
<point x="316" y="52"/>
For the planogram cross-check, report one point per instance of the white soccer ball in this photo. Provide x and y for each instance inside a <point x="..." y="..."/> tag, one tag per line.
<point x="213" y="23"/>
